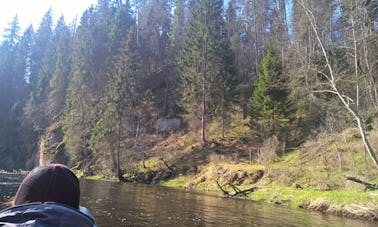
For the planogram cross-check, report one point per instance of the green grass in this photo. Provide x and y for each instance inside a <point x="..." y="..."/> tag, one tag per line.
<point x="95" y="177"/>
<point x="79" y="173"/>
<point x="177" y="182"/>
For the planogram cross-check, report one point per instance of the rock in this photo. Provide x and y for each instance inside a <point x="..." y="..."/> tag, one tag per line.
<point x="256" y="176"/>
<point x="168" y="125"/>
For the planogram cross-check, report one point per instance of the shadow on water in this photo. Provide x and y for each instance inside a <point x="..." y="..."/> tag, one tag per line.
<point x="122" y="204"/>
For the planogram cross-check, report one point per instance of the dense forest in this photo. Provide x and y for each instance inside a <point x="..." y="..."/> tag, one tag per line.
<point x="89" y="91"/>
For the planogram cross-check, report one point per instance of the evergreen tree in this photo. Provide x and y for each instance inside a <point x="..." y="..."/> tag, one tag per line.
<point x="41" y="40"/>
<point x="270" y="105"/>
<point x="119" y="106"/>
<point x="8" y="70"/>
<point x="41" y="69"/>
<point x="202" y="60"/>
<point x="155" y="26"/>
<point x="9" y="121"/>
<point x="23" y="62"/>
<point x="225" y="93"/>
<point x="78" y="112"/>
<point x="59" y="79"/>
<point x="120" y="24"/>
<point x="92" y="57"/>
<point x="179" y="25"/>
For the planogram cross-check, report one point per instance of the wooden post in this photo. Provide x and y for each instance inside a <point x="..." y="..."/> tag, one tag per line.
<point x="250" y="155"/>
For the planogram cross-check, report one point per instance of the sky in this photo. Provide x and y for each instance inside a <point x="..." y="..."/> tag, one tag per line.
<point x="32" y="11"/>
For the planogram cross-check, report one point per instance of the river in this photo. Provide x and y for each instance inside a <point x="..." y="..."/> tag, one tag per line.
<point x="124" y="204"/>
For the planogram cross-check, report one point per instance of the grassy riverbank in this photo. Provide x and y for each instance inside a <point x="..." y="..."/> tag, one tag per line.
<point x="312" y="176"/>
<point x="281" y="186"/>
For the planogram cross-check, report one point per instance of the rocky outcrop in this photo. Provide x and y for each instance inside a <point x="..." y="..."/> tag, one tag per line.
<point x="168" y="125"/>
<point x="51" y="147"/>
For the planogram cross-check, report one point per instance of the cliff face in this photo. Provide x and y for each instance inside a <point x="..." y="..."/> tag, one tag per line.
<point x="51" y="147"/>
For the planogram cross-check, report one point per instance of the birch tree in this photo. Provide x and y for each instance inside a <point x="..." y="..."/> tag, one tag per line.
<point x="332" y="77"/>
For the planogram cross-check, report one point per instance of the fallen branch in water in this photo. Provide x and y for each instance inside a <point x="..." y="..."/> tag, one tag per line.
<point x="237" y="191"/>
<point x="368" y="185"/>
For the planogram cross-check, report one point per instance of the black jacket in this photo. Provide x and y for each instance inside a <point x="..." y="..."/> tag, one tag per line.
<point x="45" y="215"/>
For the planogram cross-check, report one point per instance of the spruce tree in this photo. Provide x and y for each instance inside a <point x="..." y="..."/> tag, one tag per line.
<point x="202" y="60"/>
<point x="9" y="116"/>
<point x="59" y="79"/>
<point x="78" y="111"/>
<point x="120" y="104"/>
<point x="41" y="69"/>
<point x="270" y="104"/>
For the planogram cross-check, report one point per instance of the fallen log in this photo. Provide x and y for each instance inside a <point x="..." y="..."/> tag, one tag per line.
<point x="369" y="186"/>
<point x="237" y="191"/>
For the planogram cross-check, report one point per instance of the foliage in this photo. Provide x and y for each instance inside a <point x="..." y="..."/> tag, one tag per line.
<point x="103" y="87"/>
<point x="270" y="106"/>
<point x="206" y="64"/>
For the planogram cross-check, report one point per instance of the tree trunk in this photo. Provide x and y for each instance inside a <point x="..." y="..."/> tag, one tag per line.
<point x="137" y="131"/>
<point x="331" y="78"/>
<point x="118" y="164"/>
<point x="203" y="121"/>
<point x="204" y="77"/>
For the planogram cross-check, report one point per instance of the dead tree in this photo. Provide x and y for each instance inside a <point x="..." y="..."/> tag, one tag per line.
<point x="368" y="186"/>
<point x="237" y="191"/>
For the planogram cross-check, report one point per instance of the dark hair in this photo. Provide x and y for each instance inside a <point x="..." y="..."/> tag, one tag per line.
<point x="50" y="183"/>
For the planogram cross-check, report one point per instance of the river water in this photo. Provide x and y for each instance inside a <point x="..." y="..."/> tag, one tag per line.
<point x="124" y="204"/>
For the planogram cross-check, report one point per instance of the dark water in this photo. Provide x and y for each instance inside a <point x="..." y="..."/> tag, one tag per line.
<point x="120" y="204"/>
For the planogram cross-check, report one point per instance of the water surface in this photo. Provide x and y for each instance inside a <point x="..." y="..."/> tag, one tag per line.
<point x="123" y="204"/>
<point x="119" y="204"/>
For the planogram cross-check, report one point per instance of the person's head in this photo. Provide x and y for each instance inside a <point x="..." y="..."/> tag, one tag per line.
<point x="50" y="183"/>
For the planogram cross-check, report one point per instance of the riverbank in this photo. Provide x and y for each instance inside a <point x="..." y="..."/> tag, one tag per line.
<point x="312" y="176"/>
<point x="355" y="204"/>
<point x="350" y="203"/>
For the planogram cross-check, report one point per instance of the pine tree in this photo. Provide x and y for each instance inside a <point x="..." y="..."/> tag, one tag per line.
<point x="270" y="105"/>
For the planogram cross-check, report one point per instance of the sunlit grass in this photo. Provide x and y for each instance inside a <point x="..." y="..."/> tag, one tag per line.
<point x="178" y="182"/>
<point x="95" y="177"/>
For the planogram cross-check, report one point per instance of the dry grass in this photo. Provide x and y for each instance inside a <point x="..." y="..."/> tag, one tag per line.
<point x="357" y="211"/>
<point x="270" y="151"/>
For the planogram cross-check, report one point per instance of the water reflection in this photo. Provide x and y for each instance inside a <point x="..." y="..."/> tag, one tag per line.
<point x="116" y="204"/>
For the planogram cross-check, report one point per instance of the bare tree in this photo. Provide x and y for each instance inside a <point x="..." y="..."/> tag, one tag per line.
<point x="331" y="77"/>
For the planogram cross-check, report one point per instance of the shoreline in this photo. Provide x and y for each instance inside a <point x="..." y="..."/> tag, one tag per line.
<point x="323" y="204"/>
<point x="309" y="199"/>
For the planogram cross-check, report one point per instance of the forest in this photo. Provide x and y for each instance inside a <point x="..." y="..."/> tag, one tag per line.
<point x="92" y="92"/>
